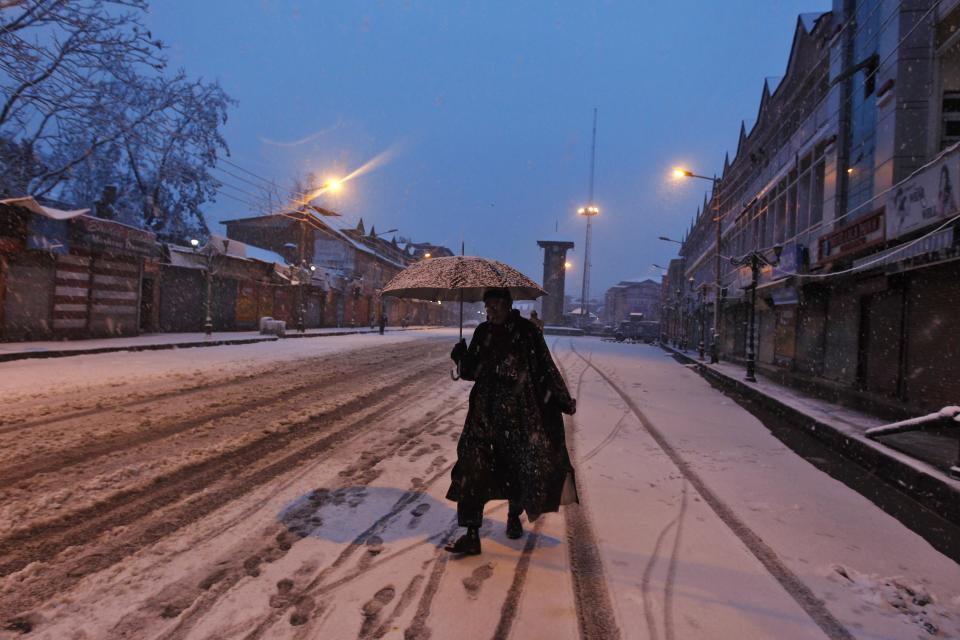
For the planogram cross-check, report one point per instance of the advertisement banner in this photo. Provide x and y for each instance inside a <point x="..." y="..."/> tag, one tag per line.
<point x="926" y="197"/>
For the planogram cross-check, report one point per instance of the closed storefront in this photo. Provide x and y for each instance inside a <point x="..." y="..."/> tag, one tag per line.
<point x="764" y="336"/>
<point x="841" y="336"/>
<point x="283" y="300"/>
<point x="881" y="341"/>
<point x="785" y="336"/>
<point x="246" y="305"/>
<point x="314" y="307"/>
<point x="181" y="299"/>
<point x="114" y="296"/>
<point x="224" y="304"/>
<point x="117" y="255"/>
<point x="933" y="366"/>
<point x="71" y="302"/>
<point x="28" y="299"/>
<point x="811" y="330"/>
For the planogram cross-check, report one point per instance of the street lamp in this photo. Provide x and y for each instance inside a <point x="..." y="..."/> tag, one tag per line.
<point x="208" y="254"/>
<point x="666" y="239"/>
<point x="703" y="319"/>
<point x="755" y="260"/>
<point x="590" y="212"/>
<point x="680" y="172"/>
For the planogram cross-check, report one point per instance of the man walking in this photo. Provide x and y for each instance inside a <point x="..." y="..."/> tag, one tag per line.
<point x="512" y="446"/>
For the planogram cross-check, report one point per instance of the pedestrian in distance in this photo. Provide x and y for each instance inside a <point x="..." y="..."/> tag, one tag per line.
<point x="535" y="319"/>
<point x="512" y="446"/>
<point x="383" y="322"/>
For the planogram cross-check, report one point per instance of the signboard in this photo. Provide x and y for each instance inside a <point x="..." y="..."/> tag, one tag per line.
<point x="112" y="237"/>
<point x="853" y="238"/>
<point x="928" y="196"/>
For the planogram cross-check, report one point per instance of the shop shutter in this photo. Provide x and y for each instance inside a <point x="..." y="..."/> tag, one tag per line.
<point x="71" y="302"/>
<point x="114" y="296"/>
<point x="882" y="341"/>
<point x="842" y="336"/>
<point x="246" y="305"/>
<point x="933" y="367"/>
<point x="29" y="298"/>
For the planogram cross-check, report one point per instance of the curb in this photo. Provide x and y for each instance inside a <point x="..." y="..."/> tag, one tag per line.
<point x="938" y="493"/>
<point x="63" y="353"/>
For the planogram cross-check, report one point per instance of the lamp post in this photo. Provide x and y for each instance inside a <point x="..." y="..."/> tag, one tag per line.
<point x="715" y="206"/>
<point x="679" y="341"/>
<point x="589" y="212"/>
<point x="208" y="255"/>
<point x="703" y="319"/>
<point x="755" y="260"/>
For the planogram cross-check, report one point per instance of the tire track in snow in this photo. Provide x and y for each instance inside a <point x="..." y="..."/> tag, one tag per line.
<point x="508" y="612"/>
<point x="672" y="569"/>
<point x="160" y="509"/>
<point x="648" y="613"/>
<point x="596" y="617"/>
<point x="791" y="583"/>
<point x="182" y="392"/>
<point x="275" y="390"/>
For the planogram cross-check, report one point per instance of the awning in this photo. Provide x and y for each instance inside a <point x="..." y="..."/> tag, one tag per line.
<point x="940" y="241"/>
<point x="33" y="206"/>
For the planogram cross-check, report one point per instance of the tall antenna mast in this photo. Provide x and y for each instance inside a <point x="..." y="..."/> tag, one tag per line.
<point x="589" y="211"/>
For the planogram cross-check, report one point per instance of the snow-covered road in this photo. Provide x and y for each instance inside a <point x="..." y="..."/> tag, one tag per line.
<point x="295" y="490"/>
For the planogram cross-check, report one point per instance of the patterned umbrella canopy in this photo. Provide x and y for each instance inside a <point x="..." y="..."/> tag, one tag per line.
<point x="448" y="277"/>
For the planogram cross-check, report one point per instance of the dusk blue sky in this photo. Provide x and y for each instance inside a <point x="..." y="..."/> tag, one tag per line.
<point x="483" y="111"/>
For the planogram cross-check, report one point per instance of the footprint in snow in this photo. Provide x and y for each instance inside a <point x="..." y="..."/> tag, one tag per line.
<point x="480" y="575"/>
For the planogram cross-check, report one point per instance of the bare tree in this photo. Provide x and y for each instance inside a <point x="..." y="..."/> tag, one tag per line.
<point x="85" y="103"/>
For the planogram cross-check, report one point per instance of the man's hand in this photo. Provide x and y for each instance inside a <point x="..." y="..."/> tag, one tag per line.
<point x="459" y="351"/>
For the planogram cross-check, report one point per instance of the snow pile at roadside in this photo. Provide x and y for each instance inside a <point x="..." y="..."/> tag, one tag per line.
<point x="899" y="596"/>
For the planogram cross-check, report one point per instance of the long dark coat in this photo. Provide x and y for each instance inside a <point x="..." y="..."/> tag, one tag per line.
<point x="512" y="446"/>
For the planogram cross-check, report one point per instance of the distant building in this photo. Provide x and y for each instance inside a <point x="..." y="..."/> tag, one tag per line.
<point x="359" y="263"/>
<point x="632" y="296"/>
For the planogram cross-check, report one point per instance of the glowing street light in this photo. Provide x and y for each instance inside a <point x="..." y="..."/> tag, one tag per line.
<point x="427" y="255"/>
<point x="680" y="172"/>
<point x="568" y="265"/>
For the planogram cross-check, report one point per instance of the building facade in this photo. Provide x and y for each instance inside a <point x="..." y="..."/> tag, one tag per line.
<point x="850" y="173"/>
<point x="632" y="296"/>
<point x="66" y="274"/>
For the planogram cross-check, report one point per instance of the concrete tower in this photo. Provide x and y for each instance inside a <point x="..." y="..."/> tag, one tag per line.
<point x="554" y="275"/>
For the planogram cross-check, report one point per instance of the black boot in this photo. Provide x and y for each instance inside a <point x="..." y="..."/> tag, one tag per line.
<point x="467" y="544"/>
<point x="514" y="527"/>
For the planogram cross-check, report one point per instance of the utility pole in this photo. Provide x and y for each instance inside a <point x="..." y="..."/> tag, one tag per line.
<point x="589" y="211"/>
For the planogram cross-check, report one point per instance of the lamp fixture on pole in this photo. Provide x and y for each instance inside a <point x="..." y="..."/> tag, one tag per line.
<point x="208" y="276"/>
<point x="755" y="260"/>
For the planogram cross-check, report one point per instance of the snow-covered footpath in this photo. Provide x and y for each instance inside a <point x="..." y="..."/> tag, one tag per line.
<point x="294" y="489"/>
